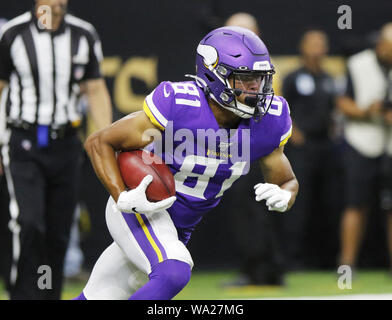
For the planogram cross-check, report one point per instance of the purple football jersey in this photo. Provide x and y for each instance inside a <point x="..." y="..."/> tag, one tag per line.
<point x="206" y="160"/>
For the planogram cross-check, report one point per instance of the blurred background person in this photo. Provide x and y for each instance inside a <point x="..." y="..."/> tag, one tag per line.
<point x="244" y="20"/>
<point x="256" y="230"/>
<point x="48" y="58"/>
<point x="366" y="105"/>
<point x="309" y="91"/>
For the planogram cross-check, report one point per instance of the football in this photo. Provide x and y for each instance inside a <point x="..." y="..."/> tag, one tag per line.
<point x="134" y="167"/>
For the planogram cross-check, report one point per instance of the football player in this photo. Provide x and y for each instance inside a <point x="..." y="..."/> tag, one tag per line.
<point x="232" y="91"/>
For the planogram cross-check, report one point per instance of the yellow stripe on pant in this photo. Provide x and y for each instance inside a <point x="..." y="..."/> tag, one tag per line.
<point x="149" y="237"/>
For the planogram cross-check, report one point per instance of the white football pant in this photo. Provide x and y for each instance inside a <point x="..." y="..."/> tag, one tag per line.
<point x="140" y="242"/>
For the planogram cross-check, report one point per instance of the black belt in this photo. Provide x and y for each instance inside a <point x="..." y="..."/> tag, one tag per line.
<point x="54" y="132"/>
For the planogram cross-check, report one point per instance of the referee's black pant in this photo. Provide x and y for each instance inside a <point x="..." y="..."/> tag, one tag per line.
<point x="43" y="188"/>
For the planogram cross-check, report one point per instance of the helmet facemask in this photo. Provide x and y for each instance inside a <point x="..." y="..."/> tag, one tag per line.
<point x="248" y="93"/>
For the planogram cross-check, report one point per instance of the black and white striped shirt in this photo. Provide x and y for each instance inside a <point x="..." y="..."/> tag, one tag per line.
<point x="44" y="69"/>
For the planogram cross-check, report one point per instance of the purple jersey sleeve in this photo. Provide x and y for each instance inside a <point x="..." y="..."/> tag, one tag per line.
<point x="158" y="105"/>
<point x="284" y="127"/>
<point x="273" y="131"/>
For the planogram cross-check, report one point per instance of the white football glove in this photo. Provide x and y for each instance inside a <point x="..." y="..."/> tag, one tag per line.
<point x="135" y="200"/>
<point x="276" y="198"/>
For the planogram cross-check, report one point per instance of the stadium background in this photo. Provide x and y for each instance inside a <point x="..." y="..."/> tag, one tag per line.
<point x="145" y="42"/>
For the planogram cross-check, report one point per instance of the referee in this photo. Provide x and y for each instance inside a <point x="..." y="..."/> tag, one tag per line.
<point x="48" y="58"/>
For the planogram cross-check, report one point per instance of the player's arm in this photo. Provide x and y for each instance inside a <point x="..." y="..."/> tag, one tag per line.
<point x="101" y="146"/>
<point x="131" y="132"/>
<point x="281" y="186"/>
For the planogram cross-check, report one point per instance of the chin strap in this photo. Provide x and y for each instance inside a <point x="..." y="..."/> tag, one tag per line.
<point x="237" y="111"/>
<point x="258" y="114"/>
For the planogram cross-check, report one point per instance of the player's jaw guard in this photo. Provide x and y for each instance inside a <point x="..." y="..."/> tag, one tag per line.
<point x="235" y="53"/>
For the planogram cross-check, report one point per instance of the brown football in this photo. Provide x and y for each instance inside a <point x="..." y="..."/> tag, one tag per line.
<point x="135" y="165"/>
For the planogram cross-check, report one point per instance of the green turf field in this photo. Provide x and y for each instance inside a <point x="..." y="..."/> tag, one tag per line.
<point x="207" y="286"/>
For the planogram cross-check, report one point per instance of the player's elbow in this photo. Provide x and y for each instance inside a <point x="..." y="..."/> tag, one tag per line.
<point x="90" y="141"/>
<point x="93" y="142"/>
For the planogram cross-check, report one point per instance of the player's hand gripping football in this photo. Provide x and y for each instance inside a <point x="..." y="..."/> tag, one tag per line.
<point x="276" y="198"/>
<point x="135" y="200"/>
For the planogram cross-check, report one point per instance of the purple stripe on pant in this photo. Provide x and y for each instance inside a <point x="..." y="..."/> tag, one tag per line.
<point x="142" y="239"/>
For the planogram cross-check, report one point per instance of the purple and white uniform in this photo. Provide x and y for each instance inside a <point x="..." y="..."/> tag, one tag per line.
<point x="205" y="160"/>
<point x="203" y="175"/>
